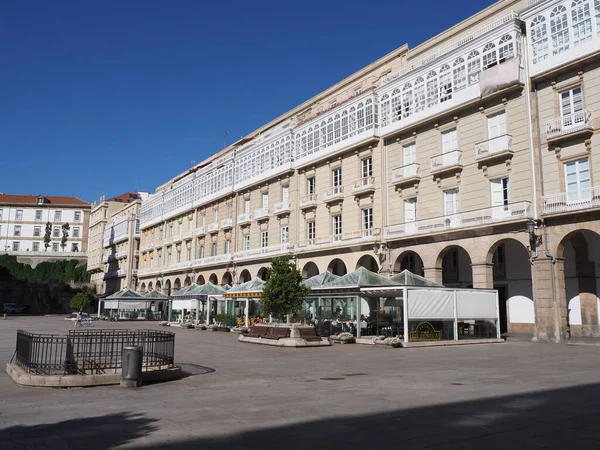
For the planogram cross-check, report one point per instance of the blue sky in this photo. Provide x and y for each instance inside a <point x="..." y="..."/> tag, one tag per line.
<point x="103" y="97"/>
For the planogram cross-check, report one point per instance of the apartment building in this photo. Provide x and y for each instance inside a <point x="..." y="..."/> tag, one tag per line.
<point x="113" y="246"/>
<point x="467" y="159"/>
<point x="43" y="226"/>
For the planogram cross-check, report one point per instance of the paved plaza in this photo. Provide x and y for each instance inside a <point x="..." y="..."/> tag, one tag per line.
<point x="243" y="396"/>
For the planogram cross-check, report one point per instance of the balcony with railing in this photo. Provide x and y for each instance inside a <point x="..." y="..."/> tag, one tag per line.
<point x="263" y="251"/>
<point x="308" y="201"/>
<point x="406" y="174"/>
<point x="469" y="219"/>
<point x="200" y="231"/>
<point x="177" y="238"/>
<point x="578" y="200"/>
<point x="213" y="227"/>
<point x="244" y="219"/>
<point x="261" y="213"/>
<point x="349" y="238"/>
<point x="364" y="185"/>
<point x="226" y="224"/>
<point x="185" y="235"/>
<point x="282" y="208"/>
<point x="333" y="194"/>
<point x="565" y="127"/>
<point x="146" y="246"/>
<point x="446" y="162"/>
<point x="497" y="147"/>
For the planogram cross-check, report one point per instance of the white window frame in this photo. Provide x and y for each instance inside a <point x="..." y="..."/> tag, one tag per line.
<point x="336" y="177"/>
<point x="409" y="153"/>
<point x="366" y="216"/>
<point x="336" y="227"/>
<point x="76" y="232"/>
<point x="19" y="214"/>
<point x="246" y="243"/>
<point x="35" y="246"/>
<point x="285" y="194"/>
<point x="17" y="230"/>
<point x="581" y="194"/>
<point x="38" y="214"/>
<point x="311" y="185"/>
<point x="311" y="231"/>
<point x="57" y="216"/>
<point x="264" y="239"/>
<point x="37" y="231"/>
<point x="16" y="245"/>
<point x="77" y="216"/>
<point x="285" y="235"/>
<point x="366" y="165"/>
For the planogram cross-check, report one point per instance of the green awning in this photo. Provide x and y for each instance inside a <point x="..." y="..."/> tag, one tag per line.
<point x="155" y="295"/>
<point x="184" y="291"/>
<point x="361" y="277"/>
<point x="208" y="289"/>
<point x="252" y="288"/>
<point x="407" y="278"/>
<point x="124" y="294"/>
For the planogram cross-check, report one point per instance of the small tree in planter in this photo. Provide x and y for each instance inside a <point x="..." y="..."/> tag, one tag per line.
<point x="80" y="301"/>
<point x="283" y="293"/>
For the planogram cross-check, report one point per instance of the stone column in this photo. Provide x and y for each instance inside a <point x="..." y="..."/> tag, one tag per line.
<point x="549" y="302"/>
<point x="586" y="278"/>
<point x="483" y="276"/>
<point x="434" y="274"/>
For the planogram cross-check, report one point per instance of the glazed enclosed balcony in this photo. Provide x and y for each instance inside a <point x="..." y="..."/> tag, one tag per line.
<point x="561" y="34"/>
<point x="364" y="185"/>
<point x="569" y="126"/>
<point x="281" y="208"/>
<point x="213" y="227"/>
<point x="200" y="231"/>
<point x="352" y="123"/>
<point x="471" y="219"/>
<point x="446" y="162"/>
<point x="480" y="62"/>
<point x="244" y="219"/>
<point x="333" y="194"/>
<point x="350" y="238"/>
<point x="496" y="148"/>
<point x="261" y="213"/>
<point x="260" y="252"/>
<point x="226" y="224"/>
<point x="578" y="200"/>
<point x="308" y="201"/>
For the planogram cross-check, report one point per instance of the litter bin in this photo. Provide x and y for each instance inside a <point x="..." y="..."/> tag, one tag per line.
<point x="132" y="365"/>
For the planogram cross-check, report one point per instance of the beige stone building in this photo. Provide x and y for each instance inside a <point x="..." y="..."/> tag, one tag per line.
<point x="467" y="159"/>
<point x="113" y="243"/>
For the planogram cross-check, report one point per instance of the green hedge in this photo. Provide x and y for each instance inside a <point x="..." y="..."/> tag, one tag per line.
<point x="64" y="271"/>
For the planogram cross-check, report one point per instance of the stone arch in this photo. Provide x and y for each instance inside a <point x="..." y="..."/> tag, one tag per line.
<point x="577" y="281"/>
<point x="263" y="273"/>
<point x="368" y="262"/>
<point x="508" y="261"/>
<point x="245" y="276"/>
<point x="143" y="287"/>
<point x="337" y="267"/>
<point x="187" y="281"/>
<point x="213" y="278"/>
<point x="309" y="270"/>
<point x="176" y="285"/>
<point x="409" y="260"/>
<point x="455" y="263"/>
<point x="167" y="288"/>
<point x="149" y="286"/>
<point x="227" y="279"/>
<point x="200" y="280"/>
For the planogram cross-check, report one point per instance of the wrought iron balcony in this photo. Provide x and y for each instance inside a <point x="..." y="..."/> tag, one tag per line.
<point x="282" y="208"/>
<point x="406" y="174"/>
<point x="496" y="147"/>
<point x="571" y="201"/>
<point x="446" y="162"/>
<point x="308" y="201"/>
<point x="567" y="126"/>
<point x="264" y="251"/>
<point x="243" y="219"/>
<point x="352" y="237"/>
<point x="226" y="223"/>
<point x="461" y="220"/>
<point x="366" y="184"/>
<point x="333" y="194"/>
<point x="261" y="213"/>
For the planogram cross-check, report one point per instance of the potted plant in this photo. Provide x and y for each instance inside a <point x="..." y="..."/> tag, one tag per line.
<point x="393" y="342"/>
<point x="344" y="338"/>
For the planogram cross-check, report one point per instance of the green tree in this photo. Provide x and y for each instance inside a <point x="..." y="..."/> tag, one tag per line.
<point x="47" y="235"/>
<point x="65" y="235"/>
<point x="283" y="292"/>
<point x="80" y="301"/>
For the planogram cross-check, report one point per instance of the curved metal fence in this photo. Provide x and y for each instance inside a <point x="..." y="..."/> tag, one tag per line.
<point x="91" y="352"/>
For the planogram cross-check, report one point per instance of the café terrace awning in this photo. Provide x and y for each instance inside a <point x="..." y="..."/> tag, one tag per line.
<point x="126" y="299"/>
<point x="352" y="283"/>
<point x="407" y="278"/>
<point x="195" y="291"/>
<point x="252" y="288"/>
<point x="182" y="293"/>
<point x="155" y="295"/>
<point x="320" y="279"/>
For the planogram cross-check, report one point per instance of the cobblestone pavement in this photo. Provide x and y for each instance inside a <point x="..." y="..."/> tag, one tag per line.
<point x="243" y="396"/>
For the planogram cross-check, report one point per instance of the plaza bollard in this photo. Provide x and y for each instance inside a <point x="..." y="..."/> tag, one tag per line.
<point x="131" y="375"/>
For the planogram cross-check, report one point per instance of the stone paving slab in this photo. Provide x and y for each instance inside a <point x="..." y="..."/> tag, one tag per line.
<point x="509" y="395"/>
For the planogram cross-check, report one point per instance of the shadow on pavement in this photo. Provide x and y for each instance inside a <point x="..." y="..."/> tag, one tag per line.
<point x="552" y="419"/>
<point x="102" y="432"/>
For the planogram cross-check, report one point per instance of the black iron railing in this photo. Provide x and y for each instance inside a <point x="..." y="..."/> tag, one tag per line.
<point x="91" y="351"/>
